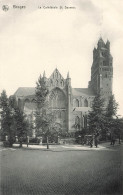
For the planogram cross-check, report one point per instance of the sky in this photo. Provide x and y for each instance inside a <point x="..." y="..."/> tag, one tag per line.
<point x="35" y="39"/>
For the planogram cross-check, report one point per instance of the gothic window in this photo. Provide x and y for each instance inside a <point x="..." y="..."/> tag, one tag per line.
<point x="81" y="102"/>
<point x="102" y="54"/>
<point x="77" y="122"/>
<point x="59" y="114"/>
<point x="56" y="82"/>
<point x="76" y="103"/>
<point x="63" y="114"/>
<point x="62" y="83"/>
<point x="19" y="103"/>
<point x="104" y="63"/>
<point x="27" y="101"/>
<point x="90" y="104"/>
<point x="57" y="99"/>
<point x="33" y="101"/>
<point x="56" y="74"/>
<point x="85" y="103"/>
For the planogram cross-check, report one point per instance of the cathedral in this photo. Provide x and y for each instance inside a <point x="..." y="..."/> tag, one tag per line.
<point x="71" y="105"/>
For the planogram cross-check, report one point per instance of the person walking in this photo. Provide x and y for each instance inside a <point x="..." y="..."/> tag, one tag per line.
<point x="113" y="140"/>
<point x="96" y="141"/>
<point x="91" y="142"/>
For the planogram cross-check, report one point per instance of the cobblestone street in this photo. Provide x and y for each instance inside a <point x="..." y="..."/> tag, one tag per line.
<point x="65" y="172"/>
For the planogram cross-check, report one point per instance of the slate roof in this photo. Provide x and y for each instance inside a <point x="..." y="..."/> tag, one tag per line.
<point x="82" y="91"/>
<point x="25" y="91"/>
<point x="29" y="91"/>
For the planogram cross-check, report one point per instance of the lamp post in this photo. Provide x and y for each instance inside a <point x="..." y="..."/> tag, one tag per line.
<point x="58" y="139"/>
<point x="27" y="141"/>
<point x="6" y="137"/>
<point x="40" y="141"/>
<point x="79" y="138"/>
<point x="47" y="143"/>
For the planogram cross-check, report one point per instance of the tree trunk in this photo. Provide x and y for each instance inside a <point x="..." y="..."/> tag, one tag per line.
<point x="20" y="144"/>
<point x="119" y="140"/>
<point x="10" y="141"/>
<point x="47" y="143"/>
<point x="27" y="141"/>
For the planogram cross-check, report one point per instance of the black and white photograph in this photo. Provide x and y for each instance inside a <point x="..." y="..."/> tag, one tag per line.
<point x="61" y="97"/>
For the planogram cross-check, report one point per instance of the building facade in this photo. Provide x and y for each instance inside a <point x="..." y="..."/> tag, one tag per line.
<point x="71" y="105"/>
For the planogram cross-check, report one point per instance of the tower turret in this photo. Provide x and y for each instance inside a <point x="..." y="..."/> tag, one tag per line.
<point x="102" y="69"/>
<point x="68" y="81"/>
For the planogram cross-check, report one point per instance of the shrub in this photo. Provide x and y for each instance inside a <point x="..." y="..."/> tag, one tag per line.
<point x="34" y="140"/>
<point x="6" y="143"/>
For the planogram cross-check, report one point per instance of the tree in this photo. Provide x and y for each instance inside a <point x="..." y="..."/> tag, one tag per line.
<point x="13" y="120"/>
<point x="44" y="117"/>
<point x="6" y="118"/>
<point x="41" y="93"/>
<point x="113" y="123"/>
<point x="20" y="123"/>
<point x="112" y="107"/>
<point x="96" y="117"/>
<point x="118" y="130"/>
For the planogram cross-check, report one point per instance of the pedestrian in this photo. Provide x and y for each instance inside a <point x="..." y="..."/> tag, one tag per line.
<point x="96" y="141"/>
<point x="91" y="142"/>
<point x="113" y="140"/>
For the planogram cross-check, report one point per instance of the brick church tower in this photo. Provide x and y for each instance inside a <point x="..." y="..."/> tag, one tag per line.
<point x="102" y="70"/>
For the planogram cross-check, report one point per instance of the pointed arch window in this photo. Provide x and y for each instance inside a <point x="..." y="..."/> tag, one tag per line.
<point x="51" y="82"/>
<point x="85" y="103"/>
<point x="57" y="82"/>
<point x="77" y="123"/>
<point x="33" y="101"/>
<point x="19" y="103"/>
<point x="56" y="74"/>
<point x="76" y="103"/>
<point x="27" y="100"/>
<point x="62" y="83"/>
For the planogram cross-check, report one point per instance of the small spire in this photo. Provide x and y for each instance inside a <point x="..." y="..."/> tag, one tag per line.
<point x="68" y="75"/>
<point x="94" y="49"/>
<point x="101" y="40"/>
<point x="101" y="43"/>
<point x="108" y="45"/>
<point x="44" y="75"/>
<point x="108" y="42"/>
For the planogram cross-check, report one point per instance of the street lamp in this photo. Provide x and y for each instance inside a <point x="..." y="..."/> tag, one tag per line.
<point x="58" y="139"/>
<point x="47" y="143"/>
<point x="79" y="137"/>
